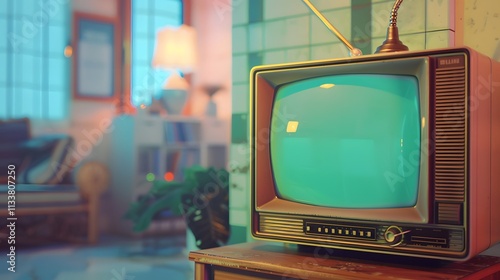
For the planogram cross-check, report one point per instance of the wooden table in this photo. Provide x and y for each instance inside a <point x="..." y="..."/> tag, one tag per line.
<point x="259" y="260"/>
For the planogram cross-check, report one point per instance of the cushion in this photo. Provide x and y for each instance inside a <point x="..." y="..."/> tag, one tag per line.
<point x="14" y="131"/>
<point x="31" y="195"/>
<point x="48" y="160"/>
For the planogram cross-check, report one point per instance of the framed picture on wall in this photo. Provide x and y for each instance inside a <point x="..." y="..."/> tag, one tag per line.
<point x="96" y="58"/>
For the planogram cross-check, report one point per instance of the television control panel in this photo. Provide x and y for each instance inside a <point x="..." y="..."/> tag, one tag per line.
<point x="391" y="235"/>
<point x="340" y="230"/>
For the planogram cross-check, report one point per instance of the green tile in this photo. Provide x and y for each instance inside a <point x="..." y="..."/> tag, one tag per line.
<point x="238" y="234"/>
<point x="255" y="11"/>
<point x="254" y="59"/>
<point x="239" y="128"/>
<point x="361" y="22"/>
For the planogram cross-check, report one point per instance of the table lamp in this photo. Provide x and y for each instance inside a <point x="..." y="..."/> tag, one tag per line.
<point x="175" y="50"/>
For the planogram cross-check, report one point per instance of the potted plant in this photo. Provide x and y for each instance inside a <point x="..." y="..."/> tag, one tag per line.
<point x="202" y="198"/>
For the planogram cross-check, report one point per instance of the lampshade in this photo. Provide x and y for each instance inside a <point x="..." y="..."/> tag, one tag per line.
<point x="175" y="49"/>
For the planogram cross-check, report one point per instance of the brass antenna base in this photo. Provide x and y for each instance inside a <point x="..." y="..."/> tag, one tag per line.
<point x="392" y="43"/>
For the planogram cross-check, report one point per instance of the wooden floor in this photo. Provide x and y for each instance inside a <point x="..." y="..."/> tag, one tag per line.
<point x="111" y="258"/>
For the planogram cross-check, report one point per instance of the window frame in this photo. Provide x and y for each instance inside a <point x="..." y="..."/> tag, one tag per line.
<point x="48" y="101"/>
<point x="124" y="104"/>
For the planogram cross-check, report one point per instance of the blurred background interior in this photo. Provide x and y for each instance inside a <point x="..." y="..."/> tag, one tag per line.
<point x="125" y="121"/>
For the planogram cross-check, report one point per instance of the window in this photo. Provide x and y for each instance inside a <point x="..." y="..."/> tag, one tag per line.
<point x="34" y="73"/>
<point x="149" y="16"/>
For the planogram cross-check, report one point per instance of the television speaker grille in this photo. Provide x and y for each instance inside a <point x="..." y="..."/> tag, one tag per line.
<point x="450" y="143"/>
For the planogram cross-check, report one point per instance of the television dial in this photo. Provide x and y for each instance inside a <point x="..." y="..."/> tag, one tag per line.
<point x="394" y="235"/>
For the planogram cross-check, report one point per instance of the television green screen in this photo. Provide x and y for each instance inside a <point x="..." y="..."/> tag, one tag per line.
<point x="347" y="141"/>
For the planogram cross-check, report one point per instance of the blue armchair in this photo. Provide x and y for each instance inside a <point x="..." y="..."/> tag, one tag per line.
<point x="44" y="184"/>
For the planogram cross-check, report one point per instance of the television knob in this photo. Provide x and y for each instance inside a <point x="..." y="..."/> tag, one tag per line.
<point x="394" y="235"/>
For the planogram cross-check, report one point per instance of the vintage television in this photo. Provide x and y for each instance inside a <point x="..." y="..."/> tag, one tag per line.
<point x="395" y="153"/>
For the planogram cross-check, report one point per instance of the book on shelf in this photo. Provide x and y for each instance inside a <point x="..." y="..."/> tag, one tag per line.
<point x="170" y="133"/>
<point x="173" y="159"/>
<point x="179" y="132"/>
<point x="188" y="158"/>
<point x="149" y="160"/>
<point x="190" y="131"/>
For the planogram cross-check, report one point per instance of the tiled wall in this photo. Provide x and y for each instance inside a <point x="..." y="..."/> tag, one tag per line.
<point x="278" y="31"/>
<point x="481" y="26"/>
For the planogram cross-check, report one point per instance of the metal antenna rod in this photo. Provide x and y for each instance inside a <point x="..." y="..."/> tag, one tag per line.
<point x="354" y="51"/>
<point x="394" y="12"/>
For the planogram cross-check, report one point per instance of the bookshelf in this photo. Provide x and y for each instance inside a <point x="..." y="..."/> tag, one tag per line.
<point x="148" y="148"/>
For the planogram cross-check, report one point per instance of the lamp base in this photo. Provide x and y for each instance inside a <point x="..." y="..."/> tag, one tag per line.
<point x="174" y="100"/>
<point x="211" y="109"/>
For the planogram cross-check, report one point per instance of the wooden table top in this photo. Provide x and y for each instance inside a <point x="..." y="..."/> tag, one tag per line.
<point x="323" y="263"/>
